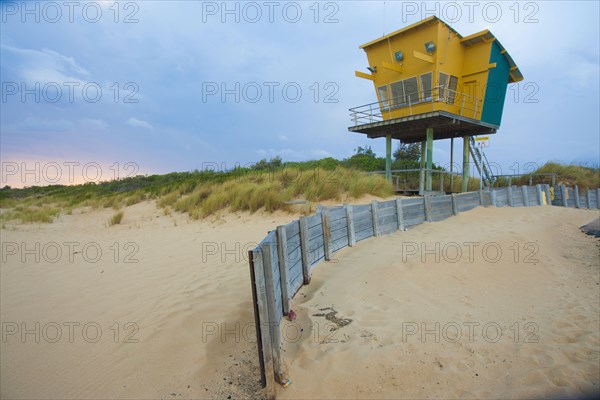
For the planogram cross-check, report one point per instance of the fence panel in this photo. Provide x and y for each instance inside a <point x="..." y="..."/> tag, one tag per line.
<point x="486" y="198"/>
<point x="363" y="222"/>
<point x="558" y="197"/>
<point x="501" y="197"/>
<point x="338" y="224"/>
<point x="336" y="213"/>
<point x="316" y="246"/>
<point x="388" y="218"/>
<point x="467" y="201"/>
<point x="413" y="211"/>
<point x="294" y="256"/>
<point x="271" y="239"/>
<point x="517" y="197"/>
<point x="441" y="207"/>
<point x="593" y="199"/>
<point x="570" y="197"/>
<point x="532" y="196"/>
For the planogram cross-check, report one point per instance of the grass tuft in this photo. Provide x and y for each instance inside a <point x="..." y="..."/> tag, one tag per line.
<point x="116" y="219"/>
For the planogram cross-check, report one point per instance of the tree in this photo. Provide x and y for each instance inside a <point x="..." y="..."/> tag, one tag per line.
<point x="366" y="151"/>
<point x="365" y="160"/>
<point x="264" y="164"/>
<point x="408" y="152"/>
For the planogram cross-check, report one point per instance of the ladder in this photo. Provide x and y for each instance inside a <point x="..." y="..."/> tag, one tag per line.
<point x="481" y="163"/>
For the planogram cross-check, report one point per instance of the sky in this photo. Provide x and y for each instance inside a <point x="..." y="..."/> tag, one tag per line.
<point x="100" y="90"/>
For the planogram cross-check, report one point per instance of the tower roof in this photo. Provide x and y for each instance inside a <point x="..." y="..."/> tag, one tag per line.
<point x="467" y="41"/>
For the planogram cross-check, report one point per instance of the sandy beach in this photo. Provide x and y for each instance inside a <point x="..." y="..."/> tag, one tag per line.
<point x="493" y="303"/>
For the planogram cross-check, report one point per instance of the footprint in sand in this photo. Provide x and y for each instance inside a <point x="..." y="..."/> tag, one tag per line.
<point x="467" y="300"/>
<point x="542" y="359"/>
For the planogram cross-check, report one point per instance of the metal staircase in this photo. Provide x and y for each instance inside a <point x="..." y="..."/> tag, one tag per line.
<point x="482" y="163"/>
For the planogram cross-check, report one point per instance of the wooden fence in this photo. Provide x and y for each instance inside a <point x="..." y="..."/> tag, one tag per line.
<point x="285" y="259"/>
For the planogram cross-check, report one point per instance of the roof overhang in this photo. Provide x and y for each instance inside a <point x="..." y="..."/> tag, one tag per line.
<point x="484" y="36"/>
<point x="426" y="22"/>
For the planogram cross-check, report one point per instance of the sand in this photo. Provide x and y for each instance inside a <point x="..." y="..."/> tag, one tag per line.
<point x="493" y="323"/>
<point x="178" y="323"/>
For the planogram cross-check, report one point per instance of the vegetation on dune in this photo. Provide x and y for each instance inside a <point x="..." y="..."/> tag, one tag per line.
<point x="116" y="219"/>
<point x="269" y="185"/>
<point x="584" y="176"/>
<point x="273" y="190"/>
<point x="31" y="214"/>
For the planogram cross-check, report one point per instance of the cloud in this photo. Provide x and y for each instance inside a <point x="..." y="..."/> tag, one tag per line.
<point x="44" y="66"/>
<point x="37" y="124"/>
<point x="94" y="124"/>
<point x="138" y="123"/>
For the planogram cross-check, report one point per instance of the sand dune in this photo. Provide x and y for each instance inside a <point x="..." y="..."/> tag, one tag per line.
<point x="168" y="297"/>
<point x="172" y="300"/>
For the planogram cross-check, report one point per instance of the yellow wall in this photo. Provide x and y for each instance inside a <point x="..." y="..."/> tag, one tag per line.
<point x="450" y="57"/>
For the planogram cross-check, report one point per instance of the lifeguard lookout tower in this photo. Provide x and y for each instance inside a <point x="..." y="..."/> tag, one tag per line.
<point x="432" y="83"/>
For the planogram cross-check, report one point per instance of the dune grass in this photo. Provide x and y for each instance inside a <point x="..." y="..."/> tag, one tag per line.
<point x="198" y="194"/>
<point x="116" y="219"/>
<point x="203" y="193"/>
<point x="272" y="191"/>
<point x="572" y="174"/>
<point x="31" y="214"/>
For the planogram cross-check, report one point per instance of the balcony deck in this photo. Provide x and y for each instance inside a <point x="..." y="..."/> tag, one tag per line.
<point x="448" y="112"/>
<point x="412" y="129"/>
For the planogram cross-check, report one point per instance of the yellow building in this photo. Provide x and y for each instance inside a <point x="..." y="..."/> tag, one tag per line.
<point x="432" y="83"/>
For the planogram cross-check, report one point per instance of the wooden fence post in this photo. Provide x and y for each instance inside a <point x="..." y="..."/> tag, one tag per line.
<point x="563" y="192"/>
<point x="576" y="196"/>
<point x="375" y="216"/>
<point x="588" y="199"/>
<point x="304" y="250"/>
<point x="525" y="196"/>
<point x="510" y="197"/>
<point x="273" y="322"/>
<point x="326" y="235"/>
<point x="350" y="220"/>
<point x="427" y="207"/>
<point x="283" y="268"/>
<point x="261" y="319"/>
<point x="454" y="204"/>
<point x="400" y="215"/>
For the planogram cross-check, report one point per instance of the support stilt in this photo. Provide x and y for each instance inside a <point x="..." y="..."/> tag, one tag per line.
<point x="422" y="174"/>
<point x="451" y="165"/>
<point x="465" y="174"/>
<point x="388" y="157"/>
<point x="428" y="183"/>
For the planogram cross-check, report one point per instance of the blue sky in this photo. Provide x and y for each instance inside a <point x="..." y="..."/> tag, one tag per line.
<point x="175" y="86"/>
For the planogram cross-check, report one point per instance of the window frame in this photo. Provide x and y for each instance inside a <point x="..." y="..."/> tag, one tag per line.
<point x="394" y="101"/>
<point x="452" y="91"/>
<point x="412" y="95"/>
<point x="423" y="92"/>
<point x="384" y="104"/>
<point x="442" y="86"/>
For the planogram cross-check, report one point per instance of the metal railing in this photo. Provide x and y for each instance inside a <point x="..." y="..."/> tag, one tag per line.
<point x="529" y="176"/>
<point x="482" y="164"/>
<point x="380" y="110"/>
<point x="404" y="183"/>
